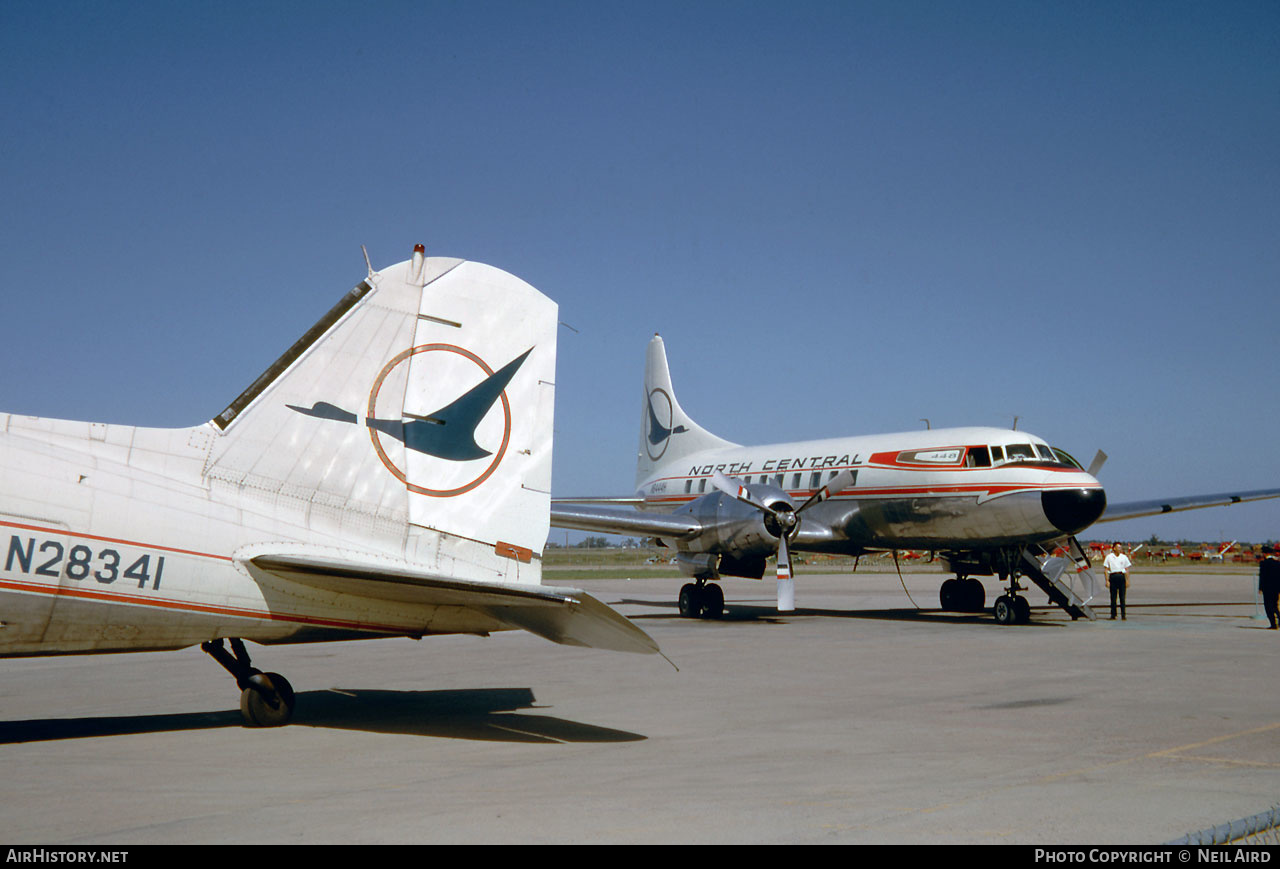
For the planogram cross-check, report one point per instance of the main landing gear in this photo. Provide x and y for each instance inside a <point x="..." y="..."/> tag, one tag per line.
<point x="266" y="699"/>
<point x="963" y="594"/>
<point x="701" y="600"/>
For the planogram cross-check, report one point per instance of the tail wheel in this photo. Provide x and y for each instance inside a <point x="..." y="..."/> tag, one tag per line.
<point x="260" y="709"/>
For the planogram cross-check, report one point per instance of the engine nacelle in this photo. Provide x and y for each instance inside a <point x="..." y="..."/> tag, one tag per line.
<point x="712" y="565"/>
<point x="736" y="538"/>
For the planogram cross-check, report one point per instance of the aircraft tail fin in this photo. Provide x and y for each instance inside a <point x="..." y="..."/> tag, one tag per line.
<point x="667" y="434"/>
<point x="415" y="419"/>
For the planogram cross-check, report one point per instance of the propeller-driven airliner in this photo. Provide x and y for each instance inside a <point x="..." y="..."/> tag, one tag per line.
<point x="987" y="501"/>
<point x="388" y="476"/>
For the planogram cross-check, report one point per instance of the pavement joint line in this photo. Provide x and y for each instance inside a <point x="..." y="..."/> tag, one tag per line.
<point x="1171" y="753"/>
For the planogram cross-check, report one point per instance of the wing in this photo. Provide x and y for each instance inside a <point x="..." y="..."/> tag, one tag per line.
<point x="1137" y="509"/>
<point x="562" y="615"/>
<point x="605" y="519"/>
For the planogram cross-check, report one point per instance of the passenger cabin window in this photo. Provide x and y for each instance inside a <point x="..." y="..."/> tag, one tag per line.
<point x="795" y="481"/>
<point x="702" y="485"/>
<point x="977" y="457"/>
<point x="815" y="479"/>
<point x="777" y="480"/>
<point x="688" y="486"/>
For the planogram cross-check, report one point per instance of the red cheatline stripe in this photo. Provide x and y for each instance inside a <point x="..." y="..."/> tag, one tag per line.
<point x="862" y="492"/>
<point x="82" y="536"/>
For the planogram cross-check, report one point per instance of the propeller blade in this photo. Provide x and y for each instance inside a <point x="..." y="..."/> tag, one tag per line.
<point x="786" y="584"/>
<point x="734" y="489"/>
<point x="835" y="486"/>
<point x="1099" y="460"/>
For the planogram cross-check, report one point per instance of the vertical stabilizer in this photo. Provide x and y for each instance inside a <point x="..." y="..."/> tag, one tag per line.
<point x="414" y="418"/>
<point x="667" y="434"/>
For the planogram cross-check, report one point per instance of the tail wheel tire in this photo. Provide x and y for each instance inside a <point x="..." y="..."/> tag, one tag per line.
<point x="258" y="711"/>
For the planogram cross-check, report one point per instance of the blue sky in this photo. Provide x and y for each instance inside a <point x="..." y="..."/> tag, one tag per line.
<point x="842" y="217"/>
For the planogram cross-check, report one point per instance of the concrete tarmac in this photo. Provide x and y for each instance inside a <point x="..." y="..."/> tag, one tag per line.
<point x="859" y="718"/>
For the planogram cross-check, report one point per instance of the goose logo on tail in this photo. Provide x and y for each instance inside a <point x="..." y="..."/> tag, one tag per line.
<point x="448" y="434"/>
<point x="660" y="432"/>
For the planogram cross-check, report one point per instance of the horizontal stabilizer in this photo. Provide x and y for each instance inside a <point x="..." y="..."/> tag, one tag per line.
<point x="563" y="615"/>
<point x="1138" y="509"/>
<point x="620" y="520"/>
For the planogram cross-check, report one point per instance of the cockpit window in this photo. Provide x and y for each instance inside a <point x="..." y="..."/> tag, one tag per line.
<point x="997" y="454"/>
<point x="977" y="457"/>
<point x="1066" y="458"/>
<point x="1046" y="453"/>
<point x="1020" y="452"/>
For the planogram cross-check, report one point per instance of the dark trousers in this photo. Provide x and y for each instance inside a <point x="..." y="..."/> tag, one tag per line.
<point x="1117" y="583"/>
<point x="1269" y="599"/>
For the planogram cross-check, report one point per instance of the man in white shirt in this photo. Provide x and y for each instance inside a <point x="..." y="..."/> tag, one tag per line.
<point x="1116" y="566"/>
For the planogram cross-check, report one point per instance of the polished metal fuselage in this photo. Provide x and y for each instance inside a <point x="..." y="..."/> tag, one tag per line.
<point x="932" y="501"/>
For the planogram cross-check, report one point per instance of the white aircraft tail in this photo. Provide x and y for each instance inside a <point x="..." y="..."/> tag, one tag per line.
<point x="667" y="434"/>
<point x="415" y="418"/>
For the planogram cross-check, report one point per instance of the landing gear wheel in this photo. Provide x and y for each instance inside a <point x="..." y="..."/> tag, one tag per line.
<point x="690" y="601"/>
<point x="712" y="601"/>
<point x="266" y="699"/>
<point x="1022" y="609"/>
<point x="259" y="711"/>
<point x="975" y="595"/>
<point x="1004" y="610"/>
<point x="950" y="595"/>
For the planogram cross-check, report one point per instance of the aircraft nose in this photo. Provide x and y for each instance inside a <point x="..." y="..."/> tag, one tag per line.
<point x="1073" y="510"/>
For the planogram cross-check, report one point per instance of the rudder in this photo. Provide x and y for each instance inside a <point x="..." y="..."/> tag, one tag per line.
<point x="421" y="403"/>
<point x="667" y="434"/>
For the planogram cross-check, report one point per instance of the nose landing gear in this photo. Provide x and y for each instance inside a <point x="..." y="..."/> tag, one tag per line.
<point x="1010" y="609"/>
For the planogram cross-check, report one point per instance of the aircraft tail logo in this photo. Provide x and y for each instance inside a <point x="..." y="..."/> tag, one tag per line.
<point x="425" y="397"/>
<point x="667" y="434"/>
<point x="448" y="433"/>
<point x="661" y="427"/>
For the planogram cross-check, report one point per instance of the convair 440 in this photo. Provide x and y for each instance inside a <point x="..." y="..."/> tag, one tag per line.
<point x="988" y="501"/>
<point x="388" y="476"/>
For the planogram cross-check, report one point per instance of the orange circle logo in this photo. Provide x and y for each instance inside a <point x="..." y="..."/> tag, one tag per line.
<point x="434" y="450"/>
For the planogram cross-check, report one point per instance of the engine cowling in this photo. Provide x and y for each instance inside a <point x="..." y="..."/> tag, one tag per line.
<point x="736" y="538"/>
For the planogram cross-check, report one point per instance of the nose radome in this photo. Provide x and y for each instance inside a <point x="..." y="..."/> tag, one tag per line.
<point x="1073" y="510"/>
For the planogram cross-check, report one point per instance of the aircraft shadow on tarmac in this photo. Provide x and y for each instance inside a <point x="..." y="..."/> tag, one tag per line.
<point x="486" y="714"/>
<point x="768" y="614"/>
